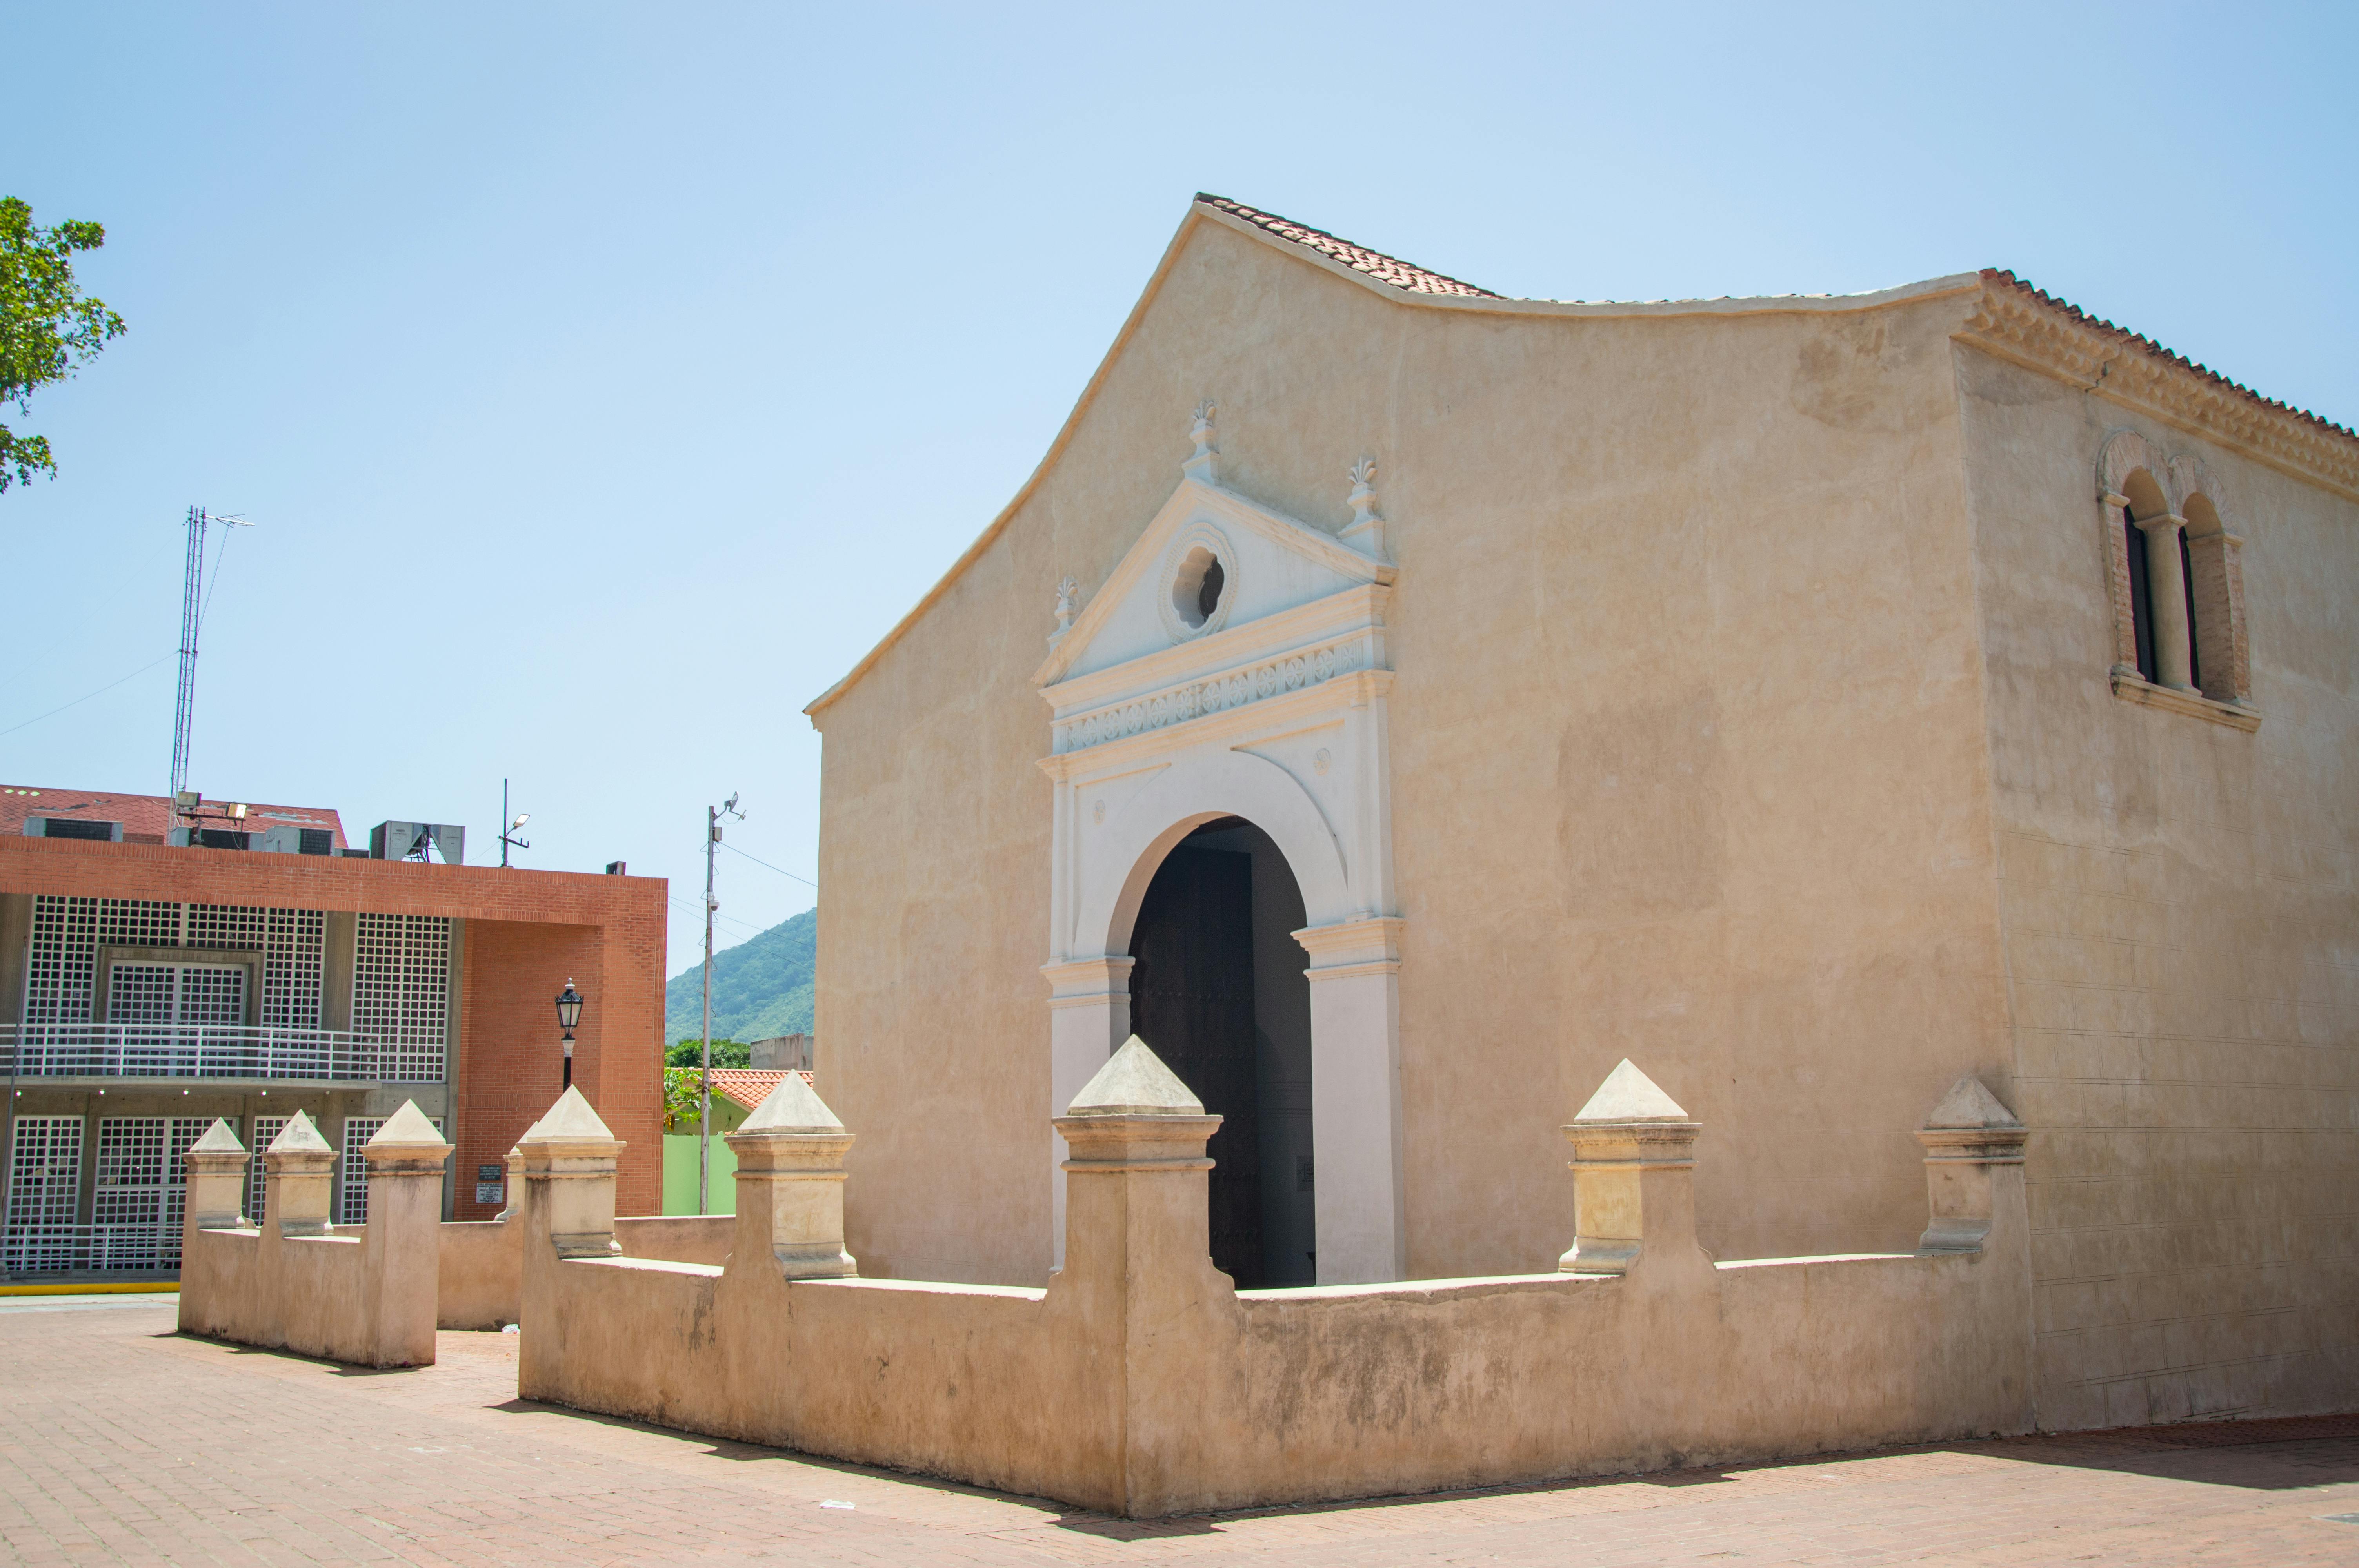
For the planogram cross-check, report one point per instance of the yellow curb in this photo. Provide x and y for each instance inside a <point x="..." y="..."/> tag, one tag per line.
<point x="113" y="1288"/>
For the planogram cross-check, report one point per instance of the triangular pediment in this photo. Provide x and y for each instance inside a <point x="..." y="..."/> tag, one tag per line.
<point x="1152" y="602"/>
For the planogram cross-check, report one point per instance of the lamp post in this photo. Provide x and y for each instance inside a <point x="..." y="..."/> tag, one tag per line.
<point x="569" y="1013"/>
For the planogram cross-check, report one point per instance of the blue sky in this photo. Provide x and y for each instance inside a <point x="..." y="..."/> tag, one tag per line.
<point x="605" y="381"/>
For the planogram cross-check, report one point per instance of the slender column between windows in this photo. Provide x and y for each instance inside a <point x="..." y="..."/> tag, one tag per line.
<point x="2167" y="594"/>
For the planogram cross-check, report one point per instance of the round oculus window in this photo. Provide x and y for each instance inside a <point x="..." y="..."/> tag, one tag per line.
<point x="1196" y="588"/>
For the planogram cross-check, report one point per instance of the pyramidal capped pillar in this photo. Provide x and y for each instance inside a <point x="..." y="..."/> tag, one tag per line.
<point x="569" y="1159"/>
<point x="297" y="1170"/>
<point x="1971" y="1141"/>
<point x="216" y="1167"/>
<point x="790" y="1184"/>
<point x="1135" y="1202"/>
<point x="1633" y="1175"/>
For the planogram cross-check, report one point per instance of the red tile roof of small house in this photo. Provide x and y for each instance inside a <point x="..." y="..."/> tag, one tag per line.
<point x="148" y="818"/>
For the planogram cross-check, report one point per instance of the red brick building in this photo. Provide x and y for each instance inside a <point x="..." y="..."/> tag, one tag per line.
<point x="147" y="988"/>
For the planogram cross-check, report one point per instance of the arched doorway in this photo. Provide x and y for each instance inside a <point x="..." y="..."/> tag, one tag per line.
<point x="1218" y="991"/>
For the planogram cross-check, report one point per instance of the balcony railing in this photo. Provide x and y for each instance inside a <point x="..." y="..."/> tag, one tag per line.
<point x="44" y="1249"/>
<point x="261" y="1051"/>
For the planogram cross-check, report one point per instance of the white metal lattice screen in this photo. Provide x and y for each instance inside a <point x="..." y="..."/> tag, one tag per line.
<point x="46" y="1177"/>
<point x="126" y="1209"/>
<point x="67" y="932"/>
<point x="291" y="966"/>
<point x="292" y="942"/>
<point x="186" y="1131"/>
<point x="258" y="1184"/>
<point x="352" y="1201"/>
<point x="138" y="923"/>
<point x="58" y="960"/>
<point x="140" y="993"/>
<point x="401" y="993"/>
<point x="211" y="993"/>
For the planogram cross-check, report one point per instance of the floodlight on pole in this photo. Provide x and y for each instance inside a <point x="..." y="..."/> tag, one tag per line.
<point x="508" y="827"/>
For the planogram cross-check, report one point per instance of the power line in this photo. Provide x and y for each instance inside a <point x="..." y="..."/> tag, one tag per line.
<point x="85" y="696"/>
<point x="768" y="867"/>
<point x="687" y="908"/>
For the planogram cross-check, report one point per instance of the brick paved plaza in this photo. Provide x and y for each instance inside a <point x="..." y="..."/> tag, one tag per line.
<point x="125" y="1442"/>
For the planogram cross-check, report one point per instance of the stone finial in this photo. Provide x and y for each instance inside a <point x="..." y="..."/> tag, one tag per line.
<point x="1135" y="1082"/>
<point x="1629" y="1095"/>
<point x="1633" y="1165"/>
<point x="790" y="1182"/>
<point x="1970" y="1136"/>
<point x="1365" y="531"/>
<point x="573" y="1119"/>
<point x="300" y="1136"/>
<point x="792" y="1106"/>
<point x="1069" y="604"/>
<point x="406" y="1145"/>
<point x="1201" y="465"/>
<point x="218" y="1140"/>
<point x="216" y="1179"/>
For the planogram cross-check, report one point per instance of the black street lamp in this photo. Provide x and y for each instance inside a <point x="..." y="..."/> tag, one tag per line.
<point x="569" y="1013"/>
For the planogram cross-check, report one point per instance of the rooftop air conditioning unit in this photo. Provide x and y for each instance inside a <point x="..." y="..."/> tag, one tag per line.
<point x="441" y="842"/>
<point x="73" y="828"/>
<point x="287" y="838"/>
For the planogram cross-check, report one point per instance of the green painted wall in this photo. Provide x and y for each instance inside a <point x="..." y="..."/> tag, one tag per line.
<point x="679" y="1175"/>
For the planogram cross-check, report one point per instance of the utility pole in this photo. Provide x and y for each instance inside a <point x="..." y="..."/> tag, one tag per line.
<point x="712" y="816"/>
<point x="192" y="611"/>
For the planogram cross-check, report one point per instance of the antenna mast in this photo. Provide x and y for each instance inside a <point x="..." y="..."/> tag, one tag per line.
<point x="192" y="614"/>
<point x="192" y="608"/>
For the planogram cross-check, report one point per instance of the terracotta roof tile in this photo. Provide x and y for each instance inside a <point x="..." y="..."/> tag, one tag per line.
<point x="1401" y="274"/>
<point x="2002" y="278"/>
<point x="749" y="1087"/>
<point x="146" y="818"/>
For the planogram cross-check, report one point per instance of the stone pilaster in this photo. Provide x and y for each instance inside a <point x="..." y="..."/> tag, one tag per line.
<point x="1355" y="1109"/>
<point x="1088" y="1016"/>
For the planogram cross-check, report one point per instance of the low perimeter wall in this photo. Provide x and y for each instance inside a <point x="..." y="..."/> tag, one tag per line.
<point x="1141" y="1382"/>
<point x="293" y="1283"/>
<point x="370" y="1293"/>
<point x="480" y="1262"/>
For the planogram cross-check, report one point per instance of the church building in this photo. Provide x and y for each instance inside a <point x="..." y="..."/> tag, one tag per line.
<point x="1398" y="704"/>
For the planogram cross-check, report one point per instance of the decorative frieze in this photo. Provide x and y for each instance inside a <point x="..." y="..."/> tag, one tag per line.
<point x="1216" y="694"/>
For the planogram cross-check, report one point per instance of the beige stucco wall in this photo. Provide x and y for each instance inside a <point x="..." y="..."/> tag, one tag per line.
<point x="2180" y="907"/>
<point x="481" y="1278"/>
<point x="1140" y="1382"/>
<point x="1686" y="751"/>
<point x="369" y="1298"/>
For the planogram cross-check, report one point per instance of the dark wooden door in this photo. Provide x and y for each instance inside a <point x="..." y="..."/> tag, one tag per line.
<point x="1192" y="1000"/>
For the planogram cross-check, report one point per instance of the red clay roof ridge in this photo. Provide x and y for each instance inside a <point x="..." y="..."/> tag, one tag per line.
<point x="1407" y="277"/>
<point x="2000" y="278"/>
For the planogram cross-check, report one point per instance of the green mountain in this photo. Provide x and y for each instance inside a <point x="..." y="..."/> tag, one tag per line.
<point x="761" y="987"/>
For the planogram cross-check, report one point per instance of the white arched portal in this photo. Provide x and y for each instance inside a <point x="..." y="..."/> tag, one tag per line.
<point x="1273" y="709"/>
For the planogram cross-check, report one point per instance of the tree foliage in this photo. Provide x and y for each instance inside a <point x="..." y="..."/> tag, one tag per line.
<point x="48" y="328"/>
<point x="690" y="1053"/>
